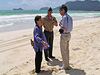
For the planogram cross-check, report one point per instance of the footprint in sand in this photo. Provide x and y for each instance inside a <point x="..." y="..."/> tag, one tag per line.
<point x="76" y="49"/>
<point x="25" y="35"/>
<point x="32" y="72"/>
<point x="97" y="69"/>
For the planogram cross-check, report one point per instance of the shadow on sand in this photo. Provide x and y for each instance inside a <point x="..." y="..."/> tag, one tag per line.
<point x="44" y="72"/>
<point x="54" y="62"/>
<point x="75" y="72"/>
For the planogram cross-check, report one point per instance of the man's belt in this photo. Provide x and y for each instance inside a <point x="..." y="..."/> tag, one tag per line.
<point x="65" y="33"/>
<point x="48" y="31"/>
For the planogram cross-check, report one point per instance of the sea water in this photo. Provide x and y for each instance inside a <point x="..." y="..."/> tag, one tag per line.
<point x="11" y="20"/>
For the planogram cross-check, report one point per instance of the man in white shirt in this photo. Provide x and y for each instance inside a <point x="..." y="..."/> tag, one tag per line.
<point x="66" y="25"/>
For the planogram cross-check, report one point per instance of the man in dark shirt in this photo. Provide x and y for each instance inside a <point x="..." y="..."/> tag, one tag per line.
<point x="49" y="22"/>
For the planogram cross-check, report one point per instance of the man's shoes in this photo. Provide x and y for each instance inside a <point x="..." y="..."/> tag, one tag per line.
<point x="41" y="71"/>
<point x="67" y="68"/>
<point x="61" y="68"/>
<point x="47" y="59"/>
<point x="51" y="57"/>
<point x="38" y="71"/>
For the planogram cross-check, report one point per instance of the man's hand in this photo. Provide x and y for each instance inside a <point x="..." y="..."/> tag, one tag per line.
<point x="59" y="22"/>
<point x="52" y="21"/>
<point x="44" y="43"/>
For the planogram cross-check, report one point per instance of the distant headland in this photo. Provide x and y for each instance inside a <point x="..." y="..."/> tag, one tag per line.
<point x="18" y="9"/>
<point x="44" y="8"/>
<point x="87" y="5"/>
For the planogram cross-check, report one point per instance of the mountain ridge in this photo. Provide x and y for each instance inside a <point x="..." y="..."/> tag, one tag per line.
<point x="80" y="5"/>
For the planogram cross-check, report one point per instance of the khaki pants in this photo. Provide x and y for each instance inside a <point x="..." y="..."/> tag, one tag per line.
<point x="64" y="47"/>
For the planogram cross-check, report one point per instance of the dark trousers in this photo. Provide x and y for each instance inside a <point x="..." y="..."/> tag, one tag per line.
<point x="49" y="37"/>
<point x="38" y="60"/>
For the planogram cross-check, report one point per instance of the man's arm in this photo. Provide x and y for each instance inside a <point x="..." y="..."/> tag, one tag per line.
<point x="64" y="23"/>
<point x="43" y="21"/>
<point x="54" y="22"/>
<point x="62" y="27"/>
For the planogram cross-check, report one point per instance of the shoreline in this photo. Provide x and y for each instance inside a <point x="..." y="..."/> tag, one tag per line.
<point x="25" y="21"/>
<point x="18" y="57"/>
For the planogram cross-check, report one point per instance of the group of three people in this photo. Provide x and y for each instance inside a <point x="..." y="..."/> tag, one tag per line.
<point x="44" y="40"/>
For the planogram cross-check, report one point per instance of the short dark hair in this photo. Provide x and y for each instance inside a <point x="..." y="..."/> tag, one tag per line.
<point x="37" y="18"/>
<point x="63" y="7"/>
<point x="50" y="9"/>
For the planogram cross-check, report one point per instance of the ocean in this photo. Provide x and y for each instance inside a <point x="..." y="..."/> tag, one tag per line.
<point x="11" y="20"/>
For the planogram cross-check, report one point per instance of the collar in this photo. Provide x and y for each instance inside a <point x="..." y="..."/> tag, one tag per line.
<point x="64" y="14"/>
<point x="47" y="16"/>
<point x="38" y="26"/>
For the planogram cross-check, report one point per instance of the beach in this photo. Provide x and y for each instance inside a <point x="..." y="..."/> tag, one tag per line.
<point x="17" y="57"/>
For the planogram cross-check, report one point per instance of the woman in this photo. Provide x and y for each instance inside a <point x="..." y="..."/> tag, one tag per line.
<point x="40" y="43"/>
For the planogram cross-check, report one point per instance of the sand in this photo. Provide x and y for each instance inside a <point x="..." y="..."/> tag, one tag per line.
<point x="17" y="56"/>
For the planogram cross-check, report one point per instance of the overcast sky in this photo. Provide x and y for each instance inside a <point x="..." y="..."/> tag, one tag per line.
<point x="30" y="4"/>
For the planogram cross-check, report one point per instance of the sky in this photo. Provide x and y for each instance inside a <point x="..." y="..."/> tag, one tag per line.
<point x="30" y="4"/>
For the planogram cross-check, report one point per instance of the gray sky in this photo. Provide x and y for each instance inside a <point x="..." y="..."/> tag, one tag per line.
<point x="30" y="4"/>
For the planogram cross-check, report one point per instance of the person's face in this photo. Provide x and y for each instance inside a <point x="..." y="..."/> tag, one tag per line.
<point x="61" y="11"/>
<point x="49" y="13"/>
<point x="39" y="22"/>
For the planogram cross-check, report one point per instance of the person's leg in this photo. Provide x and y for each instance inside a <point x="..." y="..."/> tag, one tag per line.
<point x="66" y="55"/>
<point x="46" y="51"/>
<point x="40" y="56"/>
<point x="51" y="45"/>
<point x="64" y="46"/>
<point x="38" y="60"/>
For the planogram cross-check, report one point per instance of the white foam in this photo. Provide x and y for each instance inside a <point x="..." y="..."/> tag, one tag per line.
<point x="13" y="19"/>
<point x="10" y="24"/>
